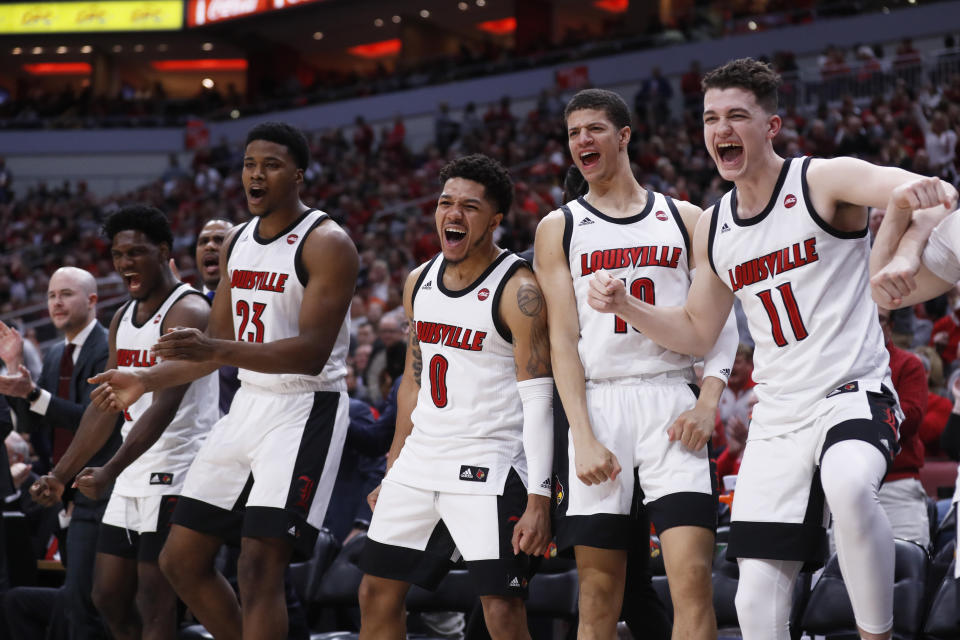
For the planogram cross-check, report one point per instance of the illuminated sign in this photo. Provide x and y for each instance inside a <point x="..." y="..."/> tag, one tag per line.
<point x="202" y="64"/>
<point x="58" y="69"/>
<point x="382" y="49"/>
<point x="201" y="12"/>
<point x="68" y="17"/>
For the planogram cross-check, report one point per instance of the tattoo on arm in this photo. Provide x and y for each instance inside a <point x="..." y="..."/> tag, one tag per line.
<point x="417" y="356"/>
<point x="530" y="301"/>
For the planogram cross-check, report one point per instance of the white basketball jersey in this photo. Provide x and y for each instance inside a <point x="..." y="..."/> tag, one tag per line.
<point x="162" y="468"/>
<point x="649" y="251"/>
<point x="267" y="279"/>
<point x="805" y="289"/>
<point x="468" y="422"/>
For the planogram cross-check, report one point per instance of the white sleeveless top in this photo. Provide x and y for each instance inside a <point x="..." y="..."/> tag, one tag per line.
<point x="267" y="280"/>
<point x="805" y="290"/>
<point x="649" y="251"/>
<point x="468" y="422"/>
<point x="163" y="467"/>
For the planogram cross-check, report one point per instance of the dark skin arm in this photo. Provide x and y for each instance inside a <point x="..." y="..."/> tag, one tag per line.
<point x="93" y="482"/>
<point x="524" y="310"/>
<point x="95" y="428"/>
<point x="331" y="262"/>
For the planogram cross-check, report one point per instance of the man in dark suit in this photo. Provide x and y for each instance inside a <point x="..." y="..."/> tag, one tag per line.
<point x="50" y="411"/>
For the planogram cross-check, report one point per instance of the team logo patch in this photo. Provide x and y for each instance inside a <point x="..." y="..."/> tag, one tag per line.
<point x="517" y="582"/>
<point x="483" y="294"/>
<point x="292" y="238"/>
<point x="724" y="228"/>
<point x="157" y="319"/>
<point x="584" y="222"/>
<point x="789" y="200"/>
<point x="850" y="387"/>
<point x="428" y="286"/>
<point x="293" y="532"/>
<point x="558" y="491"/>
<point x="473" y="474"/>
<point x="161" y="478"/>
<point x="661" y="216"/>
<point x="304" y="492"/>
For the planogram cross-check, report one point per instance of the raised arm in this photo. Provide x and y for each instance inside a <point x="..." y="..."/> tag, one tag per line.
<point x="692" y="328"/>
<point x="593" y="462"/>
<point x="192" y="312"/>
<point x="898" y="278"/>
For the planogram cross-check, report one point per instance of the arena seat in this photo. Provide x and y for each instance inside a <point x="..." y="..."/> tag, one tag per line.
<point x="554" y="590"/>
<point x="935" y="474"/>
<point x="943" y="620"/>
<point x="338" y="586"/>
<point x="726" y="577"/>
<point x="306" y="576"/>
<point x="21" y="563"/>
<point x="829" y="612"/>
<point x="454" y="593"/>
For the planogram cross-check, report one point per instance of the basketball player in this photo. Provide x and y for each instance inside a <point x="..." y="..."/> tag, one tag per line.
<point x="629" y="402"/>
<point x="161" y="434"/>
<point x="280" y="317"/>
<point x="476" y="394"/>
<point x="790" y="240"/>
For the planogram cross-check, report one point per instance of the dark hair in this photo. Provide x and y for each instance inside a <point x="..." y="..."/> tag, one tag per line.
<point x="496" y="181"/>
<point x="749" y="74"/>
<point x="607" y="101"/>
<point x="138" y="217"/>
<point x="574" y="184"/>
<point x="286" y="135"/>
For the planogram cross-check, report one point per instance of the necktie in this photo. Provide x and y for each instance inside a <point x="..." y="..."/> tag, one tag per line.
<point x="62" y="436"/>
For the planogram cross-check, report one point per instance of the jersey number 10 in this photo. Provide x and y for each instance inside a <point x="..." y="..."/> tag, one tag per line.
<point x="641" y="288"/>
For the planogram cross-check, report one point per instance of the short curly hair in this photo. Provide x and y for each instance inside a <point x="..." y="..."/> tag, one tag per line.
<point x="286" y="135"/>
<point x="496" y="180"/>
<point x="602" y="100"/>
<point x="750" y="75"/>
<point x="139" y="217"/>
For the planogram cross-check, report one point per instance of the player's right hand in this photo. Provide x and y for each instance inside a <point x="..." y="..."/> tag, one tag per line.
<point x="94" y="482"/>
<point x="606" y="293"/>
<point x="116" y="389"/>
<point x="11" y="345"/>
<point x="47" y="491"/>
<point x="372" y="498"/>
<point x="895" y="281"/>
<point x="595" y="463"/>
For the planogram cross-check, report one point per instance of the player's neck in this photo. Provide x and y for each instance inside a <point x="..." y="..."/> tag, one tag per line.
<point x="619" y="196"/>
<point x="462" y="274"/>
<point x="755" y="189"/>
<point x="281" y="218"/>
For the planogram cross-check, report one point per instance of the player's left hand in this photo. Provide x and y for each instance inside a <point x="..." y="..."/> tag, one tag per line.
<point x="693" y="427"/>
<point x="607" y="294"/>
<point x="93" y="482"/>
<point x="184" y="344"/>
<point x="17" y="385"/>
<point x="11" y="345"/>
<point x="531" y="534"/>
<point x="896" y="280"/>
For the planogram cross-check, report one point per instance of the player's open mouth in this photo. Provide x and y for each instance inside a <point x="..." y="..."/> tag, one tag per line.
<point x="454" y="235"/>
<point x="211" y="262"/>
<point x="133" y="282"/>
<point x="729" y="152"/>
<point x="589" y="158"/>
<point x="255" y="194"/>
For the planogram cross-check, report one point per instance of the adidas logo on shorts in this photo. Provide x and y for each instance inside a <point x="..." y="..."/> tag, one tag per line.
<point x="466" y="474"/>
<point x="724" y="228"/>
<point x="473" y="474"/>
<point x="515" y="582"/>
<point x="585" y="222"/>
<point x="428" y="286"/>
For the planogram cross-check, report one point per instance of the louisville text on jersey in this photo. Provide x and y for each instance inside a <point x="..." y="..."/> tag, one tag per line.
<point x="259" y="280"/>
<point x="649" y="256"/>
<point x="450" y="335"/>
<point x="135" y="358"/>
<point x="767" y="266"/>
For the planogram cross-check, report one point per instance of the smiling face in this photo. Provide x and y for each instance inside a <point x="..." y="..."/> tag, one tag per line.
<point x="465" y="219"/>
<point x="271" y="178"/>
<point x="209" y="243"/>
<point x="595" y="143"/>
<point x="70" y="302"/>
<point x="139" y="262"/>
<point x="736" y="130"/>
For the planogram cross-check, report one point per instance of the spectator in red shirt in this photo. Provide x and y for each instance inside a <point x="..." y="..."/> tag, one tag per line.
<point x="938" y="407"/>
<point x="902" y="496"/>
<point x="946" y="333"/>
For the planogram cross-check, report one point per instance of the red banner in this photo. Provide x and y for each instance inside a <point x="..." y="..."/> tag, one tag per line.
<point x="201" y="12"/>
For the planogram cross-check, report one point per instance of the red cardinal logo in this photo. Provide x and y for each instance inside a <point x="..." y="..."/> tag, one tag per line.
<point x="292" y="238"/>
<point x="789" y="200"/>
<point x="483" y="294"/>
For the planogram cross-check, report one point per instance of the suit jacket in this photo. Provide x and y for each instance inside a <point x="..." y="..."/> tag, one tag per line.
<point x="66" y="412"/>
